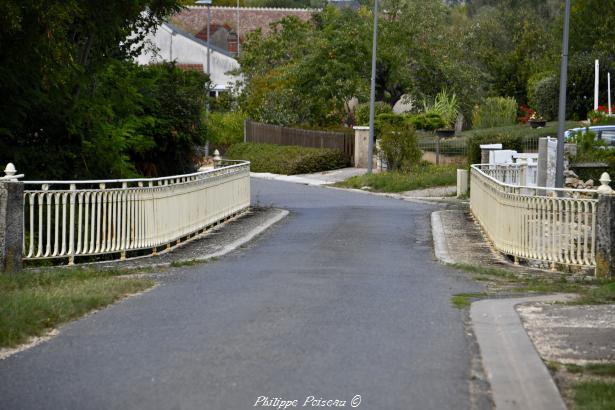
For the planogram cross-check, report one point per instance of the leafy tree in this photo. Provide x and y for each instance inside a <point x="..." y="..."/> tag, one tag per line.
<point x="52" y="52"/>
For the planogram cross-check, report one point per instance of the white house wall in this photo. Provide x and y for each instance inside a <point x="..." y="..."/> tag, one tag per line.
<point x="173" y="46"/>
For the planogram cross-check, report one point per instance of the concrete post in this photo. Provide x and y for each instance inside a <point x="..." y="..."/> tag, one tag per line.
<point x="547" y="157"/>
<point x="217" y="159"/>
<point x="462" y="182"/>
<point x="11" y="221"/>
<point x="605" y="229"/>
<point x="361" y="146"/>
<point x="485" y="149"/>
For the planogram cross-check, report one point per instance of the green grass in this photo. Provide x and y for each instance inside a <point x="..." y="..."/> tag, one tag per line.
<point x="591" y="293"/>
<point x="463" y="300"/>
<point x="32" y="303"/>
<point x="287" y="160"/>
<point x="594" y="395"/>
<point x="425" y="176"/>
<point x="595" y="369"/>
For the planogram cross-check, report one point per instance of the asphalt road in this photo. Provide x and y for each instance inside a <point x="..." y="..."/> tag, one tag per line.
<point x="343" y="298"/>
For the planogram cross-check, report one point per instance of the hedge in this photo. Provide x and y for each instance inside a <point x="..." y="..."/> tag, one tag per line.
<point x="287" y="159"/>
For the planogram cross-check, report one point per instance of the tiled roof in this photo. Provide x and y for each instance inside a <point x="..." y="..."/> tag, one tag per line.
<point x="191" y="67"/>
<point x="198" y="40"/>
<point x="194" y="19"/>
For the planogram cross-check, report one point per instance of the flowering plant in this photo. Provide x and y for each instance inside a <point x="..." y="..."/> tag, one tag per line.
<point x="526" y="114"/>
<point x="536" y="117"/>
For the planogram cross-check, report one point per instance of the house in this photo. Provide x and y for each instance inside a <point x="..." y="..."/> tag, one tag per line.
<point x="194" y="19"/>
<point x="183" y="39"/>
<point x="169" y="43"/>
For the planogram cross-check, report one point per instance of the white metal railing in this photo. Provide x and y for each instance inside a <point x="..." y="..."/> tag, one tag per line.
<point x="66" y="219"/>
<point x="535" y="223"/>
<point x="513" y="174"/>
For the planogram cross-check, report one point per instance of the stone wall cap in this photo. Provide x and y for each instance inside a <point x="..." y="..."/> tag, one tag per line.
<point x="491" y="146"/>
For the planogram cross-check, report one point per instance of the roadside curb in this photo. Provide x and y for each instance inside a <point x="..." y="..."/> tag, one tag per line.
<point x="287" y="178"/>
<point x="147" y="262"/>
<point x="282" y="213"/>
<point x="517" y="375"/>
<point x="439" y="239"/>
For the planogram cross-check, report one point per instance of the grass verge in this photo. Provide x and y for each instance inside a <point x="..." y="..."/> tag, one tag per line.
<point x="32" y="303"/>
<point x="502" y="280"/>
<point x="463" y="300"/>
<point x="594" y="395"/>
<point x="425" y="176"/>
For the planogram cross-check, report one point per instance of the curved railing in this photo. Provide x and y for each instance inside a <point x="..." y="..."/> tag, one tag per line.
<point x="68" y="219"/>
<point x="535" y="223"/>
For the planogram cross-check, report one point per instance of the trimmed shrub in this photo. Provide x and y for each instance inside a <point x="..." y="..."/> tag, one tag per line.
<point x="545" y="96"/>
<point x="361" y="112"/>
<point x="400" y="147"/>
<point x="427" y="122"/>
<point x="495" y="112"/>
<point x="287" y="159"/>
<point x="387" y="120"/>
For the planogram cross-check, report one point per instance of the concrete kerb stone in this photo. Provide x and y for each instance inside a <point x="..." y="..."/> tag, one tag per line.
<point x="439" y="239"/>
<point x="515" y="371"/>
<point x="147" y="262"/>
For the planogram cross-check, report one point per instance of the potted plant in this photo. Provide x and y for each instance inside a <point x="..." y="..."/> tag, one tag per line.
<point x="536" y="120"/>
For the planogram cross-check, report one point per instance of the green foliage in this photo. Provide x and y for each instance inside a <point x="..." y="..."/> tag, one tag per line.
<point x="422" y="176"/>
<point x="594" y="395"/>
<point x="306" y="72"/>
<point x="225" y="129"/>
<point x="495" y="112"/>
<point x="445" y="106"/>
<point x="585" y="140"/>
<point x="545" y="97"/>
<point x="428" y="122"/>
<point x="388" y="120"/>
<point x="579" y="94"/>
<point x="399" y="147"/>
<point x="53" y="55"/>
<point x="361" y="112"/>
<point x="287" y="160"/>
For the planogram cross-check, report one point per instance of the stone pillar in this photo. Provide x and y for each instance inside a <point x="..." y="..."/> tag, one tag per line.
<point x="11" y="225"/>
<point x="547" y="158"/>
<point x="485" y="149"/>
<point x="462" y="182"/>
<point x="361" y="140"/>
<point x="605" y="229"/>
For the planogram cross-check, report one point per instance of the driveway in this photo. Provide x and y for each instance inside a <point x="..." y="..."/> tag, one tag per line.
<point x="341" y="299"/>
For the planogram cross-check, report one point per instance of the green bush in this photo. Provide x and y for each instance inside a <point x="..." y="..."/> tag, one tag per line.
<point x="545" y="96"/>
<point x="387" y="120"/>
<point x="361" y="112"/>
<point x="429" y="122"/>
<point x="287" y="159"/>
<point x="495" y="112"/>
<point x="225" y="129"/>
<point x="399" y="147"/>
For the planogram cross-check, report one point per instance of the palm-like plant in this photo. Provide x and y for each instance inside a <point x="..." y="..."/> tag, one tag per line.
<point x="446" y="106"/>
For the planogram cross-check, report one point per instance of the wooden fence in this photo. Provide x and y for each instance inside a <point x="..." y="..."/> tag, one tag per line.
<point x="273" y="134"/>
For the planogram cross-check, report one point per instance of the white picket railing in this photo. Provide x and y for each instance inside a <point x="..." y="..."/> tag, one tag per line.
<point x="534" y="223"/>
<point x="68" y="219"/>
